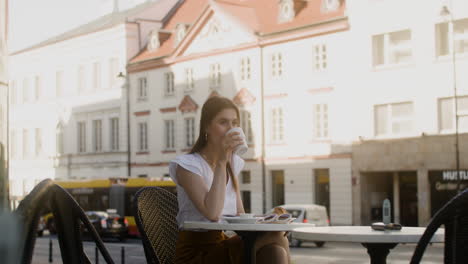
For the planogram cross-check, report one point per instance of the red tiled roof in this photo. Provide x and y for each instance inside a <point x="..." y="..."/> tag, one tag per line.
<point x="266" y="12"/>
<point x="244" y="97"/>
<point x="187" y="13"/>
<point x="261" y="16"/>
<point x="188" y="105"/>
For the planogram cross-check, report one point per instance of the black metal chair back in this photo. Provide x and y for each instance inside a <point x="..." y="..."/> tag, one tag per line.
<point x="155" y="211"/>
<point x="454" y="216"/>
<point x="67" y="216"/>
<point x="28" y="214"/>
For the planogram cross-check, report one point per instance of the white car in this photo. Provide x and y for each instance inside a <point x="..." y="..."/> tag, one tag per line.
<point x="307" y="213"/>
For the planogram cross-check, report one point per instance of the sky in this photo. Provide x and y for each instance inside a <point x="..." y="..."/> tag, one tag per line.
<point x="33" y="21"/>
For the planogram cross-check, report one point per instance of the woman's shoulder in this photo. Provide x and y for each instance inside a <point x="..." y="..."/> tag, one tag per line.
<point x="189" y="157"/>
<point x="190" y="162"/>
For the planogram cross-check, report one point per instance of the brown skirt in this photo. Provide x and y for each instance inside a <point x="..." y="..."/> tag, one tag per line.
<point x="208" y="247"/>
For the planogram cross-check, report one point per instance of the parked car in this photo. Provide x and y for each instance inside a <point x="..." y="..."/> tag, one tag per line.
<point x="307" y="213"/>
<point x="108" y="224"/>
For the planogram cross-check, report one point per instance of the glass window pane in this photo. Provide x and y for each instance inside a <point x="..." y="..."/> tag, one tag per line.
<point x="381" y="119"/>
<point x="402" y="110"/>
<point x="446" y="114"/>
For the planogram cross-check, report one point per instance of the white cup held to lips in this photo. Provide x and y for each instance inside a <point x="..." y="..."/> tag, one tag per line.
<point x="241" y="148"/>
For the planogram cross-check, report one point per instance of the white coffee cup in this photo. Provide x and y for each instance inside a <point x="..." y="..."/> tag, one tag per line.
<point x="241" y="148"/>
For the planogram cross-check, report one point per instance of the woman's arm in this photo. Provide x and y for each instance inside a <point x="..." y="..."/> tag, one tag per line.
<point x="240" y="205"/>
<point x="209" y="202"/>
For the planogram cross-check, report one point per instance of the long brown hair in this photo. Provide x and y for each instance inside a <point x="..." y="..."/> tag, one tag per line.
<point x="210" y="109"/>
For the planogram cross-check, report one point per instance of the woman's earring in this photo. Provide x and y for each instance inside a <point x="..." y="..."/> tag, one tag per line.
<point x="206" y="136"/>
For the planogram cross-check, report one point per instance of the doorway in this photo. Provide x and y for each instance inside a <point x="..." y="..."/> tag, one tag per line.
<point x="277" y="187"/>
<point x="408" y="198"/>
<point x="322" y="188"/>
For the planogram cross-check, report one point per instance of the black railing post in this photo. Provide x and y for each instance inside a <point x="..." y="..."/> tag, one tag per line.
<point x="50" y="251"/>
<point x="96" y="254"/>
<point x="122" y="255"/>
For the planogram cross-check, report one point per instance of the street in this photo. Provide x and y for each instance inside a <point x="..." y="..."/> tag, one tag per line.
<point x="331" y="253"/>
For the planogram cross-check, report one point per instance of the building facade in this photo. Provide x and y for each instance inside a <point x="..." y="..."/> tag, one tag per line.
<point x="405" y="78"/>
<point x="285" y="69"/>
<point x="68" y="106"/>
<point x="3" y="104"/>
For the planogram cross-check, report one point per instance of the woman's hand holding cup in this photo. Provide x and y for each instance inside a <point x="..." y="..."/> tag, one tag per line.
<point x="238" y="140"/>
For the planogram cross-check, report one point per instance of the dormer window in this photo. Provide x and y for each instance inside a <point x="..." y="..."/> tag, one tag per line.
<point x="153" y="40"/>
<point x="286" y="11"/>
<point x="330" y="5"/>
<point x="181" y="30"/>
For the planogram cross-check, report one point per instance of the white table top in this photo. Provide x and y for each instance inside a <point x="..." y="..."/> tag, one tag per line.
<point x="364" y="234"/>
<point x="194" y="225"/>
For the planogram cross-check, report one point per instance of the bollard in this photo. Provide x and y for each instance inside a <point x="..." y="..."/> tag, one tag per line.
<point x="122" y="251"/>
<point x="96" y="255"/>
<point x="50" y="251"/>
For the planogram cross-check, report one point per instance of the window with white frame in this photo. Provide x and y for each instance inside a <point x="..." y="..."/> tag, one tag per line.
<point x="277" y="125"/>
<point x="246" y="124"/>
<point x="245" y="69"/>
<point x="58" y="83"/>
<point x="393" y="119"/>
<point x="114" y="133"/>
<point x="169" y="76"/>
<point x="320" y="57"/>
<point x="447" y="114"/>
<point x="14" y="144"/>
<point x="215" y="75"/>
<point x="392" y="48"/>
<point x="189" y="80"/>
<point x="448" y="34"/>
<point x="37" y="88"/>
<point x="320" y="120"/>
<point x="81" y="81"/>
<point x="113" y="71"/>
<point x="25" y="90"/>
<point x="286" y="11"/>
<point x="276" y="64"/>
<point x="38" y="147"/>
<point x="59" y="137"/>
<point x="81" y="136"/>
<point x="13" y="92"/>
<point x="142" y="88"/>
<point x="169" y="134"/>
<point x="142" y="136"/>
<point x="189" y="132"/>
<point x="25" y="143"/>
<point x="96" y="76"/>
<point x="97" y="135"/>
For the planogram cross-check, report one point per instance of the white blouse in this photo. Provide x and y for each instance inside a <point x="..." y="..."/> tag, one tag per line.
<point x="197" y="165"/>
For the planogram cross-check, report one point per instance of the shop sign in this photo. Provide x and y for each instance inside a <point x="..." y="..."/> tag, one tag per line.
<point x="453" y="175"/>
<point x="444" y="186"/>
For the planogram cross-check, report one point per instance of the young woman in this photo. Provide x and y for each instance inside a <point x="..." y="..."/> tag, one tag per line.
<point x="207" y="188"/>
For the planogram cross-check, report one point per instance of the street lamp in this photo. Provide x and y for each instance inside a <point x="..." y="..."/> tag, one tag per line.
<point x="445" y="12"/>
<point x="126" y="86"/>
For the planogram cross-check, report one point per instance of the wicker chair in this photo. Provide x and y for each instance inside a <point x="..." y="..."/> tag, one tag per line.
<point x="155" y="211"/>
<point x="454" y="216"/>
<point x="67" y="216"/>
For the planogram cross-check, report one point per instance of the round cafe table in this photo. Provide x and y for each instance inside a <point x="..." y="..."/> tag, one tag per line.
<point x="378" y="243"/>
<point x="248" y="232"/>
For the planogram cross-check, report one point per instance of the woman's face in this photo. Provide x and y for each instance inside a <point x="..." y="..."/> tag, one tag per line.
<point x="223" y="121"/>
